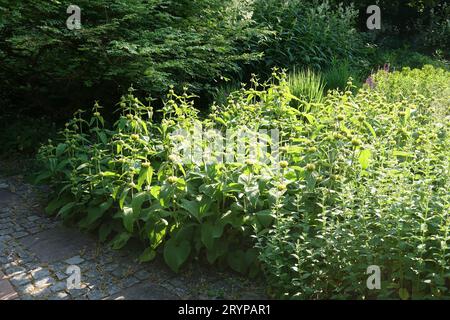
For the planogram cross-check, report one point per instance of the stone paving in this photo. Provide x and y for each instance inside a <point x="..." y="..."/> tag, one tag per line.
<point x="36" y="250"/>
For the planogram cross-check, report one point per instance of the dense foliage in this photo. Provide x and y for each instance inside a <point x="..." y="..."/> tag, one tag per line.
<point x="150" y="44"/>
<point x="422" y="25"/>
<point x="309" y="33"/>
<point x="320" y="217"/>
<point x="359" y="172"/>
<point x="49" y="69"/>
<point x="379" y="196"/>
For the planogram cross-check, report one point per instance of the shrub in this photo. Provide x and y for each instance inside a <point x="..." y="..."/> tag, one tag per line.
<point x="21" y="135"/>
<point x="308" y="34"/>
<point x="377" y="195"/>
<point x="313" y="223"/>
<point x="401" y="58"/>
<point x="423" y="25"/>
<point x="435" y="29"/>
<point x="148" y="44"/>
<point x="127" y="181"/>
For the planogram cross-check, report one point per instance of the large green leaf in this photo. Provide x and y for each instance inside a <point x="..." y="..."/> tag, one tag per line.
<point x="210" y="232"/>
<point x="364" y="158"/>
<point x="104" y="231"/>
<point x="193" y="207"/>
<point x="240" y="260"/>
<point x="60" y="149"/>
<point x="157" y="232"/>
<point x="127" y="218"/>
<point x="137" y="201"/>
<point x="123" y="196"/>
<point x="95" y="212"/>
<point x="166" y="193"/>
<point x="155" y="191"/>
<point x="236" y="260"/>
<point x="120" y="240"/>
<point x="43" y="176"/>
<point x="403" y="293"/>
<point x="55" y="204"/>
<point x="176" y="253"/>
<point x="264" y="217"/>
<point x="66" y="210"/>
<point x="145" y="175"/>
<point x="218" y="249"/>
<point x="148" y="255"/>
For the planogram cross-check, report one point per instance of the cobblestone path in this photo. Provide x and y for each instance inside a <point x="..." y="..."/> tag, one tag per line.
<point x="35" y="252"/>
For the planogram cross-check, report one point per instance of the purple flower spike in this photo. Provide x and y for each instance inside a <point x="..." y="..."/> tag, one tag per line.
<point x="370" y="82"/>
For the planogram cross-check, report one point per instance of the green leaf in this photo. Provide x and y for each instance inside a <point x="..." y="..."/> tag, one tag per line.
<point x="402" y="154"/>
<point x="233" y="187"/>
<point x="146" y="175"/>
<point x="102" y="137"/>
<point x="155" y="191"/>
<point x="364" y="158"/>
<point x="42" y="177"/>
<point x="219" y="249"/>
<point x="104" y="231"/>
<point x="157" y="232"/>
<point x="264" y="217"/>
<point x="60" y="149"/>
<point x="236" y="260"/>
<point x="165" y="194"/>
<point x="54" y="205"/>
<point x="310" y="181"/>
<point x="369" y="126"/>
<point x="137" y="201"/>
<point x="240" y="260"/>
<point x="403" y="293"/>
<point x="186" y="232"/>
<point x="65" y="211"/>
<point x="123" y="196"/>
<point x="115" y="191"/>
<point x="221" y="121"/>
<point x="210" y="232"/>
<point x="109" y="174"/>
<point x="82" y="166"/>
<point x="95" y="212"/>
<point x="407" y="114"/>
<point x="148" y="255"/>
<point x="128" y="218"/>
<point x="193" y="207"/>
<point x="176" y="253"/>
<point x="120" y="240"/>
<point x="309" y="117"/>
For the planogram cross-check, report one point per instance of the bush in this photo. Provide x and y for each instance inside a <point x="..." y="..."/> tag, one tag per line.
<point x="23" y="135"/>
<point x="148" y="44"/>
<point x="435" y="33"/>
<point x="378" y="195"/>
<point x="422" y="25"/>
<point x="401" y="58"/>
<point x="127" y="181"/>
<point x="313" y="218"/>
<point x="308" y="34"/>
